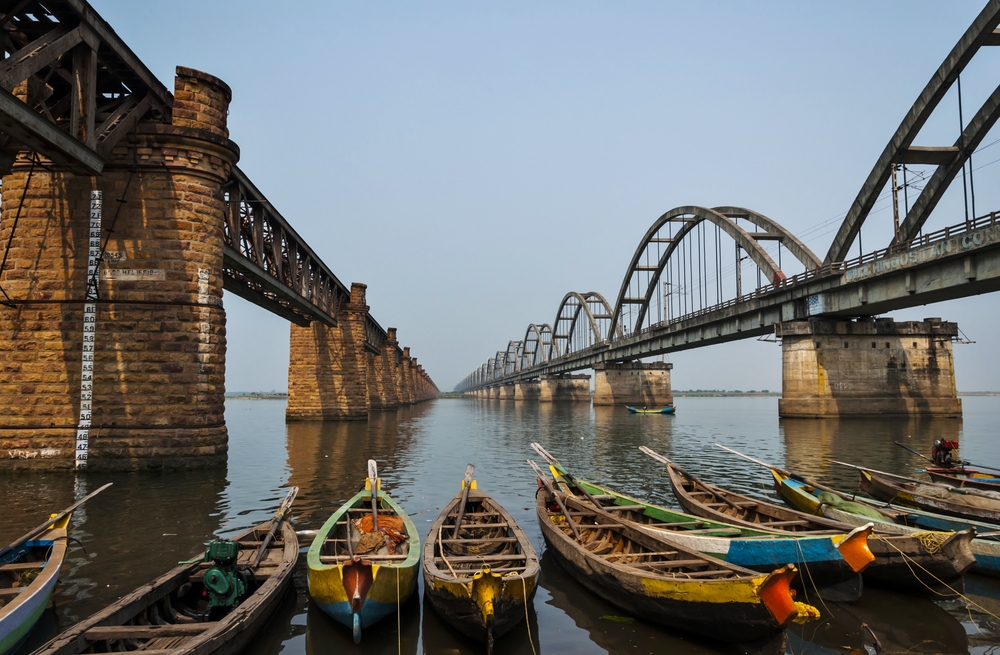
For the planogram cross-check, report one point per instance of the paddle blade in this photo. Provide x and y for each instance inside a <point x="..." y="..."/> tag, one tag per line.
<point x="655" y="455"/>
<point x="469" y="470"/>
<point x="372" y="471"/>
<point x="546" y="455"/>
<point x="538" y="471"/>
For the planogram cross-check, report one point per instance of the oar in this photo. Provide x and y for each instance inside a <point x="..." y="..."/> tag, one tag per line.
<point x="44" y="526"/>
<point x="279" y="517"/>
<point x="548" y="487"/>
<point x="469" y="468"/>
<point x="373" y="479"/>
<point x="566" y="474"/>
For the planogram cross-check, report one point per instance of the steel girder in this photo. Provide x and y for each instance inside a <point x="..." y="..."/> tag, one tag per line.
<point x="900" y="149"/>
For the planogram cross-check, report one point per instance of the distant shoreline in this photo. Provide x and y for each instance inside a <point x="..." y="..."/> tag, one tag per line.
<point x="256" y="395"/>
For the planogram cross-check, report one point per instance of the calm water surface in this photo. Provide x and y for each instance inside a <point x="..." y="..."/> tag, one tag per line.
<point x="147" y="522"/>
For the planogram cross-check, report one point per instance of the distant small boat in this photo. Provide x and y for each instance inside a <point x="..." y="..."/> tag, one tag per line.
<point x="656" y="579"/>
<point x="481" y="579"/>
<point x="212" y="605"/>
<point x="665" y="410"/>
<point x="28" y="574"/>
<point x="359" y="571"/>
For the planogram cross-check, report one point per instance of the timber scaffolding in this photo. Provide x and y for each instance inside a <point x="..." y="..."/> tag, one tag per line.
<point x="124" y="216"/>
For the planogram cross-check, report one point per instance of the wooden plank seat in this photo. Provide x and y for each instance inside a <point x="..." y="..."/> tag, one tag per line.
<point x="799" y="522"/>
<point x="504" y="540"/>
<point x="22" y="566"/>
<point x="485" y="558"/>
<point x="11" y="591"/>
<point x="334" y="559"/>
<point x="102" y="632"/>
<point x="469" y="526"/>
<point x="624" y="508"/>
<point x="664" y="553"/>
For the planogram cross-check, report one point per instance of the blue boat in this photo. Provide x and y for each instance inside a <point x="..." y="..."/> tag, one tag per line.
<point x="665" y="410"/>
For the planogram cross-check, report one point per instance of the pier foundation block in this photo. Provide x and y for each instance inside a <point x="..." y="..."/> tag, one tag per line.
<point x="529" y="390"/>
<point x="633" y="383"/>
<point x="564" y="388"/>
<point x="507" y="391"/>
<point x="868" y="367"/>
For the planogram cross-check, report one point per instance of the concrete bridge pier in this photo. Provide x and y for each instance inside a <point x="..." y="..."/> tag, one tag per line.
<point x="120" y="365"/>
<point x="507" y="391"/>
<point x="564" y="388"/>
<point x="527" y="390"/>
<point x="328" y="366"/>
<point x="404" y="379"/>
<point x="868" y="367"/>
<point x="633" y="383"/>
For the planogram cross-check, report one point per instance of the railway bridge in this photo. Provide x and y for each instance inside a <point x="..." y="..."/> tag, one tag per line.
<point x="124" y="217"/>
<point x="686" y="287"/>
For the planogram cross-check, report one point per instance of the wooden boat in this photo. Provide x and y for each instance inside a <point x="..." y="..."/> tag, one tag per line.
<point x="29" y="571"/>
<point x="814" y="498"/>
<point x="971" y="504"/>
<point x="197" y="608"/>
<point x="360" y="572"/>
<point x="964" y="478"/>
<point x="834" y="561"/>
<point x="28" y="575"/>
<point x="664" y="410"/>
<point x="895" y="554"/>
<point x="480" y="577"/>
<point x="659" y="580"/>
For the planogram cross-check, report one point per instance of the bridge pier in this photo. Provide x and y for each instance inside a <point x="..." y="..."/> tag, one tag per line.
<point x="868" y="368"/>
<point x="527" y="390"/>
<point x="383" y="392"/>
<point x="633" y="383"/>
<point x="405" y="379"/>
<point x="125" y="368"/>
<point x="564" y="388"/>
<point x="328" y="366"/>
<point x="507" y="391"/>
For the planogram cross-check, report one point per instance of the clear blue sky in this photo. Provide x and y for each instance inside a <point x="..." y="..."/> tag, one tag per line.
<point x="473" y="162"/>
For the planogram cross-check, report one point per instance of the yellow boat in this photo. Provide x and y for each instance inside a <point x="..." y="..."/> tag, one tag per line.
<point x="481" y="577"/>
<point x="361" y="571"/>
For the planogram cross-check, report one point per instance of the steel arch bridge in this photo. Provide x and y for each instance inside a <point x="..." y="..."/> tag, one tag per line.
<point x="685" y="285"/>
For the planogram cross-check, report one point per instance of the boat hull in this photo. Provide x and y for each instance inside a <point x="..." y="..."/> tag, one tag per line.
<point x="754" y="549"/>
<point x="875" y="486"/>
<point x="389" y="586"/>
<point x="22" y="612"/>
<point x="454" y="603"/>
<point x="910" y="558"/>
<point x="665" y="410"/>
<point x="727" y="610"/>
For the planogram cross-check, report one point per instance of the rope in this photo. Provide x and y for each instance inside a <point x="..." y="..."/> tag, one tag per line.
<point x="932" y="541"/>
<point x="908" y="560"/>
<point x="399" y="629"/>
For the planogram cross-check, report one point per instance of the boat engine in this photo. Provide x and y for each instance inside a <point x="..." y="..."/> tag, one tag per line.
<point x="225" y="584"/>
<point x="945" y="453"/>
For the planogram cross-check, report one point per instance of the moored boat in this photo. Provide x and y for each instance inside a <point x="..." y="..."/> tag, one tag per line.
<point x="662" y="410"/>
<point x="974" y="504"/>
<point x="941" y="558"/>
<point x="658" y="580"/>
<point x="363" y="561"/>
<point x="963" y="478"/>
<point x="813" y="498"/>
<point x="834" y="561"/>
<point x="28" y="575"/>
<point x="212" y="605"/>
<point x="481" y="576"/>
<point x="29" y="571"/>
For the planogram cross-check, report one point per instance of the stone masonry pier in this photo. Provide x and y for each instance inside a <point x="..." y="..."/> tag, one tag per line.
<point x="868" y="367"/>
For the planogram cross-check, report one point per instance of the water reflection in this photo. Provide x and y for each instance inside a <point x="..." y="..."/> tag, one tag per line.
<point x="147" y="522"/>
<point x="810" y="445"/>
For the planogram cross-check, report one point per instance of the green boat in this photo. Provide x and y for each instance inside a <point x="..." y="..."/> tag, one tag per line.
<point x="665" y="410"/>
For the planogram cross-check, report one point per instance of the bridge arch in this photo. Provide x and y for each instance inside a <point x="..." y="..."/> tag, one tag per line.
<point x="537" y="344"/>
<point x="900" y="149"/>
<point x="512" y="357"/>
<point x="566" y="337"/>
<point x="642" y="272"/>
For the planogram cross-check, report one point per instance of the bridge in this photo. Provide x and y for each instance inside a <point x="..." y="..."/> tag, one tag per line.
<point x="686" y="287"/>
<point x="124" y="217"/>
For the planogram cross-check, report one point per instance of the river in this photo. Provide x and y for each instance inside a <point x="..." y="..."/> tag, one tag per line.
<point x="149" y="520"/>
